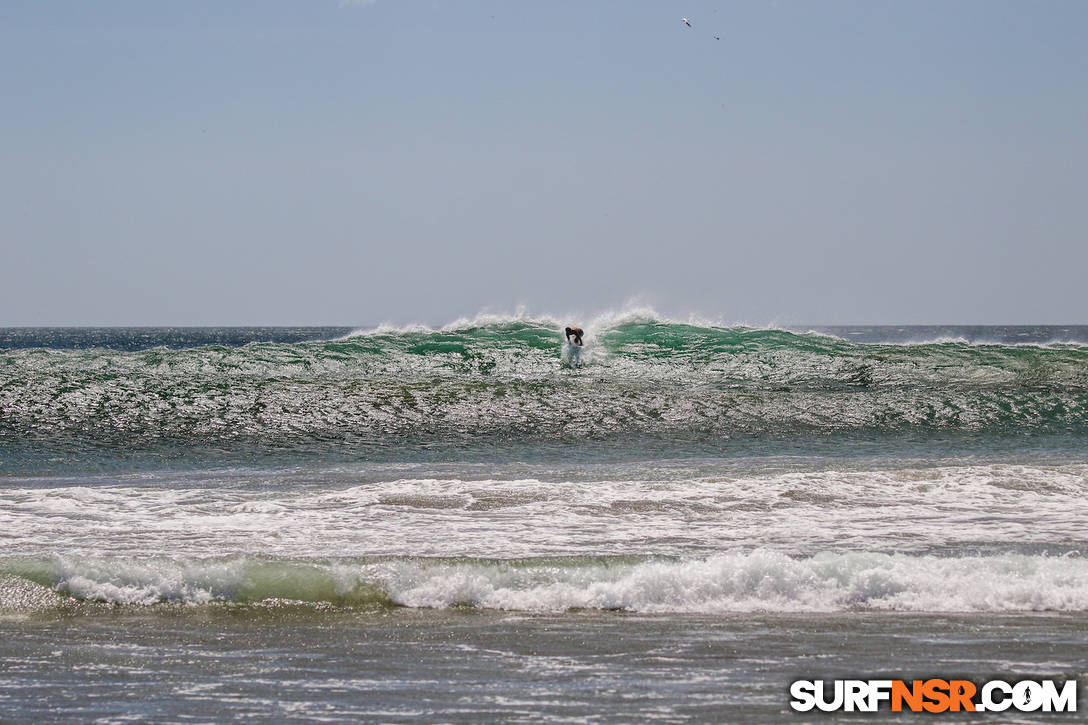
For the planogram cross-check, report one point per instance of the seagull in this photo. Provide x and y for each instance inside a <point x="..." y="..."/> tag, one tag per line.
<point x="686" y="22"/>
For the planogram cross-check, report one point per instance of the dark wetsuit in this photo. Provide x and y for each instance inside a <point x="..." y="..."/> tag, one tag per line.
<point x="576" y="333"/>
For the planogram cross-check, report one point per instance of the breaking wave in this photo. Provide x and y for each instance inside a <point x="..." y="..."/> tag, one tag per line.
<point x="511" y="377"/>
<point x="761" y="580"/>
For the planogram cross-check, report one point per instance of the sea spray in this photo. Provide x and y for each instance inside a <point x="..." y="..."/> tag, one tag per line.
<point x="508" y="379"/>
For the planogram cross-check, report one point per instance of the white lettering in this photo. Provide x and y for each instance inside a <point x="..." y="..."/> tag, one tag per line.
<point x="1065" y="701"/>
<point x="804" y="695"/>
<point x="855" y="697"/>
<point x="879" y="690"/>
<point x="988" y="699"/>
<point x="821" y="697"/>
<point x="1027" y="696"/>
<point x="993" y="696"/>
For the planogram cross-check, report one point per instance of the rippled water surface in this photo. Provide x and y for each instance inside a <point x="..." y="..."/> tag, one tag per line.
<point x="479" y="522"/>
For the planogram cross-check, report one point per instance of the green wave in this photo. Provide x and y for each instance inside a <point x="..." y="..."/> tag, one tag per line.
<point x="757" y="580"/>
<point x="516" y="379"/>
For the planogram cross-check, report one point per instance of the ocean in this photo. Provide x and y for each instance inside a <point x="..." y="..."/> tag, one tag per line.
<point x="479" y="523"/>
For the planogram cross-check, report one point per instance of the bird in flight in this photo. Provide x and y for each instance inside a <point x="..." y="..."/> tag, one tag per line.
<point x="686" y="22"/>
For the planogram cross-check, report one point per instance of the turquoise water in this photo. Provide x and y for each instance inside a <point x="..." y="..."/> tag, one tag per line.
<point x="478" y="522"/>
<point x="508" y="390"/>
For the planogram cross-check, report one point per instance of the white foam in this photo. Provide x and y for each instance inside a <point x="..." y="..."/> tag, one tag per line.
<point x="481" y="319"/>
<point x="633" y="311"/>
<point x="761" y="580"/>
<point x="127" y="581"/>
<point x="688" y="509"/>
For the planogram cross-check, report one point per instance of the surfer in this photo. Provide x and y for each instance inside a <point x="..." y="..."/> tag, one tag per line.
<point x="576" y="333"/>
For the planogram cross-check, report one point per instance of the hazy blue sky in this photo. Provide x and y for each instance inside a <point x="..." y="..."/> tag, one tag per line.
<point x="291" y="162"/>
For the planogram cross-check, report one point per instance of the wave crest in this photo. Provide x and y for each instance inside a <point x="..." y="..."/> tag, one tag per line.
<point x="639" y="374"/>
<point x="761" y="580"/>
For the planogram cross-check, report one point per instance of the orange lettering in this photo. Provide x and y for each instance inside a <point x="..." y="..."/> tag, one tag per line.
<point x="961" y="692"/>
<point x="936" y="691"/>
<point x="912" y="695"/>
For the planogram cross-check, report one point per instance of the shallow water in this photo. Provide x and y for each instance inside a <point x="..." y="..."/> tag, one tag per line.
<point x="288" y="662"/>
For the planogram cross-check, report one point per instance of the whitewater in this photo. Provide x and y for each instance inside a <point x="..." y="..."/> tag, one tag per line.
<point x="681" y="496"/>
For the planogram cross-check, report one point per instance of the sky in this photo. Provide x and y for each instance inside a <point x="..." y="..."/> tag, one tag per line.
<point x="280" y="162"/>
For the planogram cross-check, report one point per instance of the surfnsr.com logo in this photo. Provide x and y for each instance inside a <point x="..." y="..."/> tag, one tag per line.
<point x="933" y="695"/>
